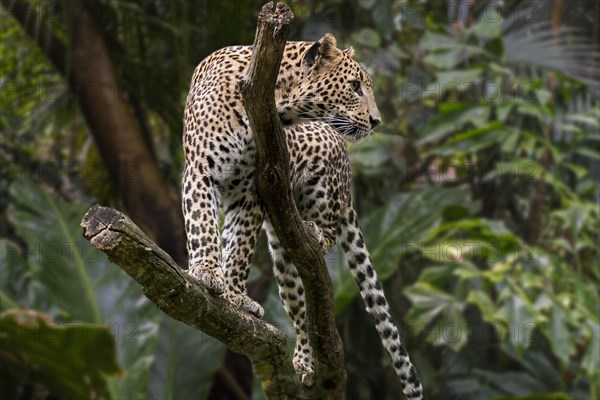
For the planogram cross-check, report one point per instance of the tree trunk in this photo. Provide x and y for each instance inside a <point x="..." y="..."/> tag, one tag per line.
<point x="89" y="70"/>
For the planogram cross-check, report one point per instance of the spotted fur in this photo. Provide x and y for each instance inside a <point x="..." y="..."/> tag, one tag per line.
<point x="323" y="98"/>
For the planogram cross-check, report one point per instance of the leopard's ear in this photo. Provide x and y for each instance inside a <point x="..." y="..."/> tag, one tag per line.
<point x="323" y="50"/>
<point x="328" y="47"/>
<point x="349" y="51"/>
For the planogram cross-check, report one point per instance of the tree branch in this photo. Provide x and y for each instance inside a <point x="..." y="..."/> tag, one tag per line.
<point x="182" y="298"/>
<point x="273" y="177"/>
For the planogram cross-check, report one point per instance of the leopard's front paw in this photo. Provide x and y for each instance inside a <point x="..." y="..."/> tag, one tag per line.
<point x="245" y="303"/>
<point x="210" y="277"/>
<point x="324" y="241"/>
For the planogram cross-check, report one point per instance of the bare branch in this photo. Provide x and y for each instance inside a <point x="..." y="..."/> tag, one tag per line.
<point x="273" y="179"/>
<point x="179" y="296"/>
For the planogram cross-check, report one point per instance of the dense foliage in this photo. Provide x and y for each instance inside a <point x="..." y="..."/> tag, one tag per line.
<point x="478" y="199"/>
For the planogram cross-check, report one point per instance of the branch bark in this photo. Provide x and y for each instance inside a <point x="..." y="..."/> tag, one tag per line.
<point x="272" y="180"/>
<point x="182" y="298"/>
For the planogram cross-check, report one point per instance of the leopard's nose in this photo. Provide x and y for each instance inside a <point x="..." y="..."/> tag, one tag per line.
<point x="374" y="122"/>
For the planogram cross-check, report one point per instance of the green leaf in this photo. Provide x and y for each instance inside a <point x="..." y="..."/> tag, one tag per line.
<point x="466" y="271"/>
<point x="588" y="120"/>
<point x="494" y="232"/>
<point x="451" y="57"/>
<point x="519" y="315"/>
<point x="558" y="334"/>
<point x="538" y="364"/>
<point x="459" y="250"/>
<point x="367" y="37"/>
<point x="524" y="167"/>
<point x="396" y="51"/>
<point x="72" y="360"/>
<point x="57" y="250"/>
<point x="432" y="41"/>
<point x="489" y="25"/>
<point x="453" y="119"/>
<point x="459" y="80"/>
<point x="451" y="330"/>
<point x="383" y="16"/>
<point x="473" y="140"/>
<point x="367" y="4"/>
<point x="495" y="48"/>
<point x="432" y="304"/>
<point x="484" y="303"/>
<point x="513" y="383"/>
<point x="531" y="109"/>
<point x="83" y="284"/>
<point x="589" y="153"/>
<point x="185" y="362"/>
<point x="12" y="274"/>
<point x="370" y="157"/>
<point x="503" y="110"/>
<point x="591" y="357"/>
<point x="437" y="275"/>
<point x="543" y="96"/>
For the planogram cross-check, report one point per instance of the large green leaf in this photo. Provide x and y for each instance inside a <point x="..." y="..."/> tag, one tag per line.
<point x="432" y="41"/>
<point x="57" y="253"/>
<point x="492" y="231"/>
<point x="474" y="140"/>
<point x="458" y="80"/>
<point x="559" y="335"/>
<point x="591" y="359"/>
<point x="537" y="363"/>
<point x="186" y="360"/>
<point x="561" y="49"/>
<point x="453" y="117"/>
<point x="367" y="37"/>
<point x="450" y="58"/>
<point x="82" y="283"/>
<point x="87" y="287"/>
<point x="517" y="312"/>
<point x="528" y="170"/>
<point x="439" y="311"/>
<point x="489" y="25"/>
<point x="11" y="276"/>
<point x="73" y="360"/>
<point x="513" y="383"/>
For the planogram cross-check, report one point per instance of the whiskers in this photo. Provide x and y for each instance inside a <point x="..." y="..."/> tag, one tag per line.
<point x="344" y="126"/>
<point x="329" y="112"/>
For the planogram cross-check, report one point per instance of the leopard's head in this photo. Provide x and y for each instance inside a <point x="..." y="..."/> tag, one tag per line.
<point x="334" y="88"/>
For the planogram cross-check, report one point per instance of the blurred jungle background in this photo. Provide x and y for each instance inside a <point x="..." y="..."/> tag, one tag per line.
<point x="478" y="195"/>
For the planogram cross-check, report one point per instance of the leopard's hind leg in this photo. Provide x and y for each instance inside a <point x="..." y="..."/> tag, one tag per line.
<point x="200" y="204"/>
<point x="243" y="220"/>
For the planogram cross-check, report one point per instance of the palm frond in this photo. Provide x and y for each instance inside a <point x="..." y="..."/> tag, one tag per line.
<point x="562" y="50"/>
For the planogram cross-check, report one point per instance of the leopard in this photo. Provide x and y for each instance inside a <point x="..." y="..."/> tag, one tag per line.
<point x="324" y="98"/>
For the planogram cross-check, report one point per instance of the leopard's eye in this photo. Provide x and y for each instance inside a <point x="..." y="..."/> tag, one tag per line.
<point x="355" y="85"/>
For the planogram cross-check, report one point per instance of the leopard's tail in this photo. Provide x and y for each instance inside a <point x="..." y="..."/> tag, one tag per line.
<point x="376" y="304"/>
